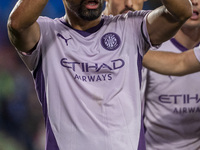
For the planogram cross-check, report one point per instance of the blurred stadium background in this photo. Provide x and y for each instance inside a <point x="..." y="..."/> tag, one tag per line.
<point x="21" y="119"/>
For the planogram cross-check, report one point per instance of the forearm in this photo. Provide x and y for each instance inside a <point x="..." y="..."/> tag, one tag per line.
<point x="179" y="9"/>
<point x="162" y="62"/>
<point x="25" y="13"/>
<point x="23" y="30"/>
<point x="169" y="63"/>
<point x="165" y="21"/>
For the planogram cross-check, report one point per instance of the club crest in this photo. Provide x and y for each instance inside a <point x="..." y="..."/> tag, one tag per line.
<point x="110" y="41"/>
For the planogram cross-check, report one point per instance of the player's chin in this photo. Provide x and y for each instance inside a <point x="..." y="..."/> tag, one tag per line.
<point x="90" y="15"/>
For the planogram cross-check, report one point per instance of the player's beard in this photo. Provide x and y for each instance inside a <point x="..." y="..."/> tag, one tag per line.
<point x="90" y="14"/>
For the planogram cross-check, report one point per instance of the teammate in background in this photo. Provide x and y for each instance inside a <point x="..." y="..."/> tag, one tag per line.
<point x="172" y="107"/>
<point x="87" y="66"/>
<point x="116" y="7"/>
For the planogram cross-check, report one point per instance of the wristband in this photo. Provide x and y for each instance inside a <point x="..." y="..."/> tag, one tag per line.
<point x="197" y="53"/>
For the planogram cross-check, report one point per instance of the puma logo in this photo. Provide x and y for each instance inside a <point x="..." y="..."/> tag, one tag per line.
<point x="62" y="37"/>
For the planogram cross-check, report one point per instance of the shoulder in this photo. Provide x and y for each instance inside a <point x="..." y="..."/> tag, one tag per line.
<point x="45" y="19"/>
<point x="49" y="24"/>
<point x="169" y="46"/>
<point x="136" y="15"/>
<point x="140" y="13"/>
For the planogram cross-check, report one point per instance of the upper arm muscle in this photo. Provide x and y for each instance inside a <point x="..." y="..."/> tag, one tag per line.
<point x="24" y="40"/>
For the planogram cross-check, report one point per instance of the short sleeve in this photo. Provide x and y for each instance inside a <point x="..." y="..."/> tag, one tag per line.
<point x="31" y="60"/>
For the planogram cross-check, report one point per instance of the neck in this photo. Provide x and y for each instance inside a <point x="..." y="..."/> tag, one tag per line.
<point x="80" y="24"/>
<point x="188" y="37"/>
<point x="106" y="10"/>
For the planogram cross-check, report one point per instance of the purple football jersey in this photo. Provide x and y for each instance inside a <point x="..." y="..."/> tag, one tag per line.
<point x="88" y="82"/>
<point x="172" y="110"/>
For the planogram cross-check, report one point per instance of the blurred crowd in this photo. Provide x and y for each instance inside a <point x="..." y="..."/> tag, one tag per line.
<point x="21" y="119"/>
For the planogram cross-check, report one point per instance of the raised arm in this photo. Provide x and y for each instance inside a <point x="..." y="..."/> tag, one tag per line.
<point x="169" y="63"/>
<point x="164" y="22"/>
<point x="23" y="30"/>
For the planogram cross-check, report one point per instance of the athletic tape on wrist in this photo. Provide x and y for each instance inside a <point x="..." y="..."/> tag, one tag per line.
<point x="197" y="52"/>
